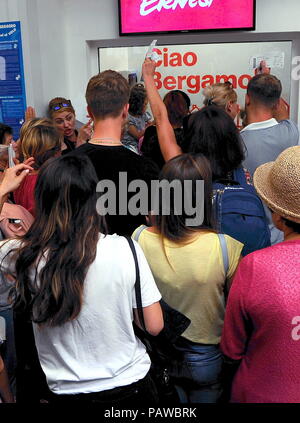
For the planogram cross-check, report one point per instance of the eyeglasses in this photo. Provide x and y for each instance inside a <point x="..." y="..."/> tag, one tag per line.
<point x="59" y="106"/>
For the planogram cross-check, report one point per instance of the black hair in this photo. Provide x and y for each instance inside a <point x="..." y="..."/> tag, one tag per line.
<point x="185" y="167"/>
<point x="4" y="129"/>
<point x="293" y="225"/>
<point x="265" y="89"/>
<point x="137" y="99"/>
<point x="213" y="133"/>
<point x="150" y="146"/>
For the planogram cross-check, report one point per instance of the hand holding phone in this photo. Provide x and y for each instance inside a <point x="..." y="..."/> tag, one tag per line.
<point x="262" y="68"/>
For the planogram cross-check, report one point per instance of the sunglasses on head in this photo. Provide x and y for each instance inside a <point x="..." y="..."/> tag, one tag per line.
<point x="59" y="106"/>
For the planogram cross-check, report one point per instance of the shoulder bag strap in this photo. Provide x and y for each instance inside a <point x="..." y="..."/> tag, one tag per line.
<point x="137" y="285"/>
<point x="139" y="231"/>
<point x="223" y="243"/>
<point x="224" y="249"/>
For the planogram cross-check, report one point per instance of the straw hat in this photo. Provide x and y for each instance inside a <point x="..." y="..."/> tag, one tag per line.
<point x="278" y="184"/>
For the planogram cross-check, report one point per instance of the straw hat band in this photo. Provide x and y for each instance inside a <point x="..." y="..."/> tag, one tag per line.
<point x="278" y="183"/>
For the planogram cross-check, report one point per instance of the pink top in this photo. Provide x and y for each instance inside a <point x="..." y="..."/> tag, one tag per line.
<point x="24" y="195"/>
<point x="262" y="326"/>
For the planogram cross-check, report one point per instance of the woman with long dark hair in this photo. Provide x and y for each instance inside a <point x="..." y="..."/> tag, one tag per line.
<point x="185" y="255"/>
<point x="79" y="285"/>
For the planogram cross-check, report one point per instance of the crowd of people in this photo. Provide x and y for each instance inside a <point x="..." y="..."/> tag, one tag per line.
<point x="69" y="308"/>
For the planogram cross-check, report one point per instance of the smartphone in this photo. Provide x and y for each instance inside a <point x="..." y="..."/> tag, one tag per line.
<point x="11" y="156"/>
<point x="132" y="79"/>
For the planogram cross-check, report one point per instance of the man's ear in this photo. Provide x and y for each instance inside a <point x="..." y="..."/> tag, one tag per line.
<point x="89" y="112"/>
<point x="247" y="100"/>
<point x="125" y="111"/>
<point x="277" y="105"/>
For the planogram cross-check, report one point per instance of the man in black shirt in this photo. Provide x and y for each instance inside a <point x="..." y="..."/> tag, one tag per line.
<point x="107" y="98"/>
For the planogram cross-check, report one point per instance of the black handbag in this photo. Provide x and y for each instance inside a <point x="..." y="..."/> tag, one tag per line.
<point x="160" y="348"/>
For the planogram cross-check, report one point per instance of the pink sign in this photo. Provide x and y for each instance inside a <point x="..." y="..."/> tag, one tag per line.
<point x="141" y="16"/>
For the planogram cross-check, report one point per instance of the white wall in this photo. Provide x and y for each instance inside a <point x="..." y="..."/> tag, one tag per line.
<point x="86" y="20"/>
<point x="277" y="15"/>
<point x="59" y="55"/>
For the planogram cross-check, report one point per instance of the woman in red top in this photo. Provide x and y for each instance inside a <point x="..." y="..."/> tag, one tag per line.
<point x="40" y="140"/>
<point x="262" y="319"/>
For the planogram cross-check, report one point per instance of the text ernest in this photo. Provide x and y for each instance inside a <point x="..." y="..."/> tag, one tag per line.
<point x="149" y="6"/>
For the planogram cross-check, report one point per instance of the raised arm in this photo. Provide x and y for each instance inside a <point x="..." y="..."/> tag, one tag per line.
<point x="167" y="141"/>
<point x="30" y="113"/>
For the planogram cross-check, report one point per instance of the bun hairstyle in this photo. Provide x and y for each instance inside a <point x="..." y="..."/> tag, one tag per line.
<point x="219" y="94"/>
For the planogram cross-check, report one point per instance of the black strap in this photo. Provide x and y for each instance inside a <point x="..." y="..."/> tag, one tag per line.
<point x="226" y="182"/>
<point x="137" y="285"/>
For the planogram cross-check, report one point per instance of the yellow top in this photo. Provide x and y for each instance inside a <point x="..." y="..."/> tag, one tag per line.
<point x="194" y="285"/>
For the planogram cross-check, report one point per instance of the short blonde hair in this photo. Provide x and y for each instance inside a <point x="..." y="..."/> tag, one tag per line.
<point x="219" y="94"/>
<point x="40" y="140"/>
<point x="34" y="122"/>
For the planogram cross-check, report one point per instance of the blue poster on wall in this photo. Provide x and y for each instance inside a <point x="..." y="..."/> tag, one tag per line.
<point x="12" y="83"/>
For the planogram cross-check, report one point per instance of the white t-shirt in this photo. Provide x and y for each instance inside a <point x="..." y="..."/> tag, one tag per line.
<point x="98" y="350"/>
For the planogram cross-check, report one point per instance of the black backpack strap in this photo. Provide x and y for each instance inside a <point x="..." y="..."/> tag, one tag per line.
<point x="137" y="285"/>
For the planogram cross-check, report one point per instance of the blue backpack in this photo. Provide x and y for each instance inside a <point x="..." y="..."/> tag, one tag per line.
<point x="239" y="212"/>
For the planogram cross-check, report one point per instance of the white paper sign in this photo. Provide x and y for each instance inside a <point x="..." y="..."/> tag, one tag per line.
<point x="273" y="60"/>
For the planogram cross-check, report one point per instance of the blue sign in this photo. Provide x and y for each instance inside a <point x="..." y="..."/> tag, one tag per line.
<point x="12" y="83"/>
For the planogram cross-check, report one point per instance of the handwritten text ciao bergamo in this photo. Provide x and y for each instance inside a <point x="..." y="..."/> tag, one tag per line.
<point x="149" y="6"/>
